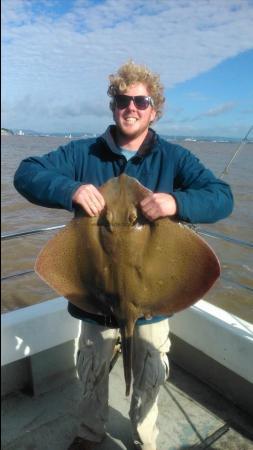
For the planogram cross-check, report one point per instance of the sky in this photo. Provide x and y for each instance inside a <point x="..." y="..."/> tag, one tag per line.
<point x="57" y="56"/>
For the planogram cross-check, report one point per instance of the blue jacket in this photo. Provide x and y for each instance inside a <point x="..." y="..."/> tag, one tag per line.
<point x="161" y="166"/>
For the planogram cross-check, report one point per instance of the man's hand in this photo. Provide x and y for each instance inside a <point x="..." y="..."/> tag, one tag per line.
<point x="158" y="205"/>
<point x="90" y="199"/>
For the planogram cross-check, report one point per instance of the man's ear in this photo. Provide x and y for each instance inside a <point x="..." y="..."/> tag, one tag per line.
<point x="153" y="116"/>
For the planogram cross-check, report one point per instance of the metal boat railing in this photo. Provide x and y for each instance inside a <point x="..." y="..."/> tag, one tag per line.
<point x="208" y="233"/>
<point x="8" y="236"/>
<point x="224" y="237"/>
<point x="201" y="231"/>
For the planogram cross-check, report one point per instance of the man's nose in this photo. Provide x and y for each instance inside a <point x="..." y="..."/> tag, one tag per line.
<point x="131" y="105"/>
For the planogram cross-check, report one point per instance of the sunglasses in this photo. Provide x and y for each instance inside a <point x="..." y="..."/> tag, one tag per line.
<point x="140" y="101"/>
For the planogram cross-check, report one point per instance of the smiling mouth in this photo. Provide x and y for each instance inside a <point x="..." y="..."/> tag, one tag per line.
<point x="131" y="120"/>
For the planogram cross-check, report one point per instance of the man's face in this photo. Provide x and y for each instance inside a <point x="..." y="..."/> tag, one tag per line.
<point x="131" y="121"/>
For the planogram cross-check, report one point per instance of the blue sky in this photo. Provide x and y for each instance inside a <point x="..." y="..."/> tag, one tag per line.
<point x="57" y="56"/>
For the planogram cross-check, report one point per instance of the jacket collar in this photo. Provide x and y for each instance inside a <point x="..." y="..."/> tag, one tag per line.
<point x="147" y="146"/>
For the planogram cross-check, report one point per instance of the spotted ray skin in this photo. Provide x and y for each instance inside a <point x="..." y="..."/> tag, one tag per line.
<point x="121" y="263"/>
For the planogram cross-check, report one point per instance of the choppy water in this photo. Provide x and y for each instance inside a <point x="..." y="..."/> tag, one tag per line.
<point x="234" y="290"/>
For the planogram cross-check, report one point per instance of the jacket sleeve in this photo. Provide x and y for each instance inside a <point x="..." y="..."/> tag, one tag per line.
<point x="49" y="180"/>
<point x="200" y="196"/>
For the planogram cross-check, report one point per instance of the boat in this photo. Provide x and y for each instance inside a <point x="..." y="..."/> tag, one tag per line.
<point x="207" y="401"/>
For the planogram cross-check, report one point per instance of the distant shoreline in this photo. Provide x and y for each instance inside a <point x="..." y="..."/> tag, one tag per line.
<point x="6" y="132"/>
<point x="218" y="139"/>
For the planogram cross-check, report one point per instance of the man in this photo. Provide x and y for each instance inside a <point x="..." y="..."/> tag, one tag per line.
<point x="69" y="178"/>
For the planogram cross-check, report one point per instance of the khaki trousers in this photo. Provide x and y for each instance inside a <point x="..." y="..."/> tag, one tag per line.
<point x="150" y="370"/>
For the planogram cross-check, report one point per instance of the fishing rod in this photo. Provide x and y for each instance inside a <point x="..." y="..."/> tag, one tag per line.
<point x="239" y="148"/>
<point x="197" y="228"/>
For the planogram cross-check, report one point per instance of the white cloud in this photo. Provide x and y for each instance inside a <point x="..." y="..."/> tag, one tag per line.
<point x="195" y="95"/>
<point x="65" y="58"/>
<point x="217" y="111"/>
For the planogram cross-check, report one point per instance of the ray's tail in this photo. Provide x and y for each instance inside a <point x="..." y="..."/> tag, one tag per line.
<point x="127" y="352"/>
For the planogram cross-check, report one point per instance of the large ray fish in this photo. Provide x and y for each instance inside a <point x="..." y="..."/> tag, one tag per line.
<point x="121" y="263"/>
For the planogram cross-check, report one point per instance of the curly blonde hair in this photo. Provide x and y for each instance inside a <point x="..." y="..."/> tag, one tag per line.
<point x="131" y="73"/>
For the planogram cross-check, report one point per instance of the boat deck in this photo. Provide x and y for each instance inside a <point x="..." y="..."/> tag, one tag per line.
<point x="192" y="416"/>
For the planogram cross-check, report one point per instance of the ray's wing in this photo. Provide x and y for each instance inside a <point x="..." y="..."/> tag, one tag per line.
<point x="179" y="268"/>
<point x="68" y="261"/>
